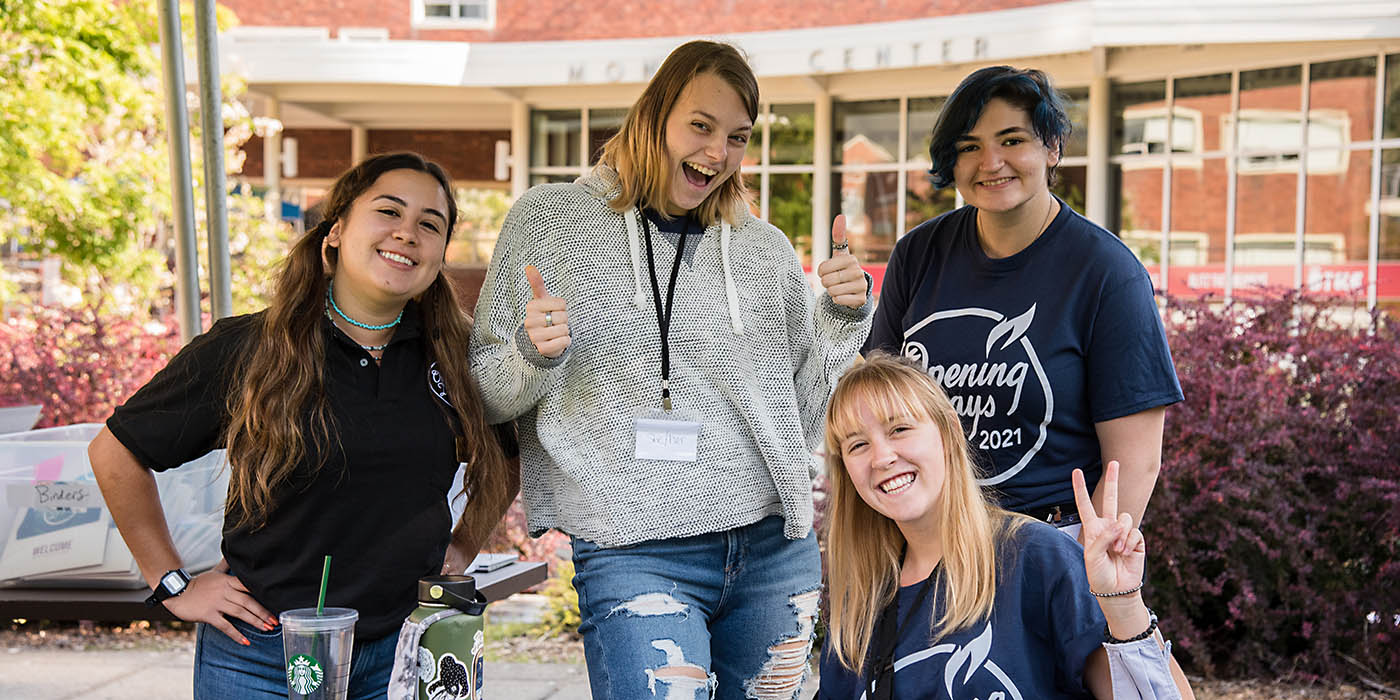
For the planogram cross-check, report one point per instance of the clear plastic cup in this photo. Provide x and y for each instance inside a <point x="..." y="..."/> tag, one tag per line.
<point x="317" y="650"/>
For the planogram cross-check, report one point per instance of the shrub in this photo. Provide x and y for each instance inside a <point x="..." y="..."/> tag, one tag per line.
<point x="562" y="616"/>
<point x="513" y="535"/>
<point x="1275" y="527"/>
<point x="78" y="363"/>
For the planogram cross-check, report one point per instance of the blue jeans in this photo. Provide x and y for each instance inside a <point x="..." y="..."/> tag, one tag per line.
<point x="724" y="615"/>
<point x="225" y="669"/>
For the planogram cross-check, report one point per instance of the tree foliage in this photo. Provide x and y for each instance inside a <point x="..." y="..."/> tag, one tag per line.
<point x="84" y="155"/>
<point x="80" y="134"/>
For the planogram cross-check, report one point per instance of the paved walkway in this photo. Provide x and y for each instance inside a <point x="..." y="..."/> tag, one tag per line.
<point x="49" y="674"/>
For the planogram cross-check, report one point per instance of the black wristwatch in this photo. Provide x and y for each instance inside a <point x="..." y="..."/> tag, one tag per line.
<point x="172" y="583"/>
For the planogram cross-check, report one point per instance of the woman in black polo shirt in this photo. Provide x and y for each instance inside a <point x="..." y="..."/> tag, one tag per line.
<point x="346" y="407"/>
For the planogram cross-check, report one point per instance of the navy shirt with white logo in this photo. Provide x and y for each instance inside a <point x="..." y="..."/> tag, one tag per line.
<point x="1033" y="349"/>
<point x="1044" y="625"/>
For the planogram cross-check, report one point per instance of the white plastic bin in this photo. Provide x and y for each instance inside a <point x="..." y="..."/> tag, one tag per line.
<point x="44" y="546"/>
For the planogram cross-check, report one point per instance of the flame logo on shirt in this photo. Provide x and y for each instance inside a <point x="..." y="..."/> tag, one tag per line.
<point x="964" y="664"/>
<point x="1012" y="328"/>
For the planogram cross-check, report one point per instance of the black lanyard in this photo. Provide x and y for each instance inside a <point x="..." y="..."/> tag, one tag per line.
<point x="883" y="643"/>
<point x="663" y="313"/>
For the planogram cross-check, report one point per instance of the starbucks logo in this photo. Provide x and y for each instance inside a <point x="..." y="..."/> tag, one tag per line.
<point x="304" y="674"/>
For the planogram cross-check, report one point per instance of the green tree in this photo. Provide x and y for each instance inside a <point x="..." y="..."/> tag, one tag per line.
<point x="84" y="162"/>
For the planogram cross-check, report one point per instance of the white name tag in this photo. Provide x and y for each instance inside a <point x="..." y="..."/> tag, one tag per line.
<point x="668" y="440"/>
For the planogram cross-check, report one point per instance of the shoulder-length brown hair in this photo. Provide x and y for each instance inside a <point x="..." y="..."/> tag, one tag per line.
<point x="864" y="548"/>
<point x="277" y="405"/>
<point x="637" y="152"/>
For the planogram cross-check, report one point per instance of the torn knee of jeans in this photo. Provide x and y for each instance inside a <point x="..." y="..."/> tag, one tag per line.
<point x="681" y="679"/>
<point x="649" y="604"/>
<point x="786" y="668"/>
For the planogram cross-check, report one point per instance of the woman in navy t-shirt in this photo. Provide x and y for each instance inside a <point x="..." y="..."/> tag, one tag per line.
<point x="936" y="593"/>
<point x="1039" y="324"/>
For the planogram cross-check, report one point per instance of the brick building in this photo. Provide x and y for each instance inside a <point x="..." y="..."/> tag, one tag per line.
<point x="1230" y="144"/>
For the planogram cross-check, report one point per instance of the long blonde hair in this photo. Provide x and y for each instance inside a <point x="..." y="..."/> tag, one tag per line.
<point x="277" y="405"/>
<point x="637" y="152"/>
<point x="864" y="548"/>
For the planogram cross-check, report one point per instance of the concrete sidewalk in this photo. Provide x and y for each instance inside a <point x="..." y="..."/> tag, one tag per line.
<point x="49" y="674"/>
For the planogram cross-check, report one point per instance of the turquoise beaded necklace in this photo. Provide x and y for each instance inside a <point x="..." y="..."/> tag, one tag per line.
<point x="330" y="301"/>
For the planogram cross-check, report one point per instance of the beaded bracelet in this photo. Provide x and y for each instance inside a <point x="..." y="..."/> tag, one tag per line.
<point x="1151" y="627"/>
<point x="1116" y="594"/>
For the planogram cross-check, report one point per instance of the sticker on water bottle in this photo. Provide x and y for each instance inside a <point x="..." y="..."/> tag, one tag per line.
<point x="304" y="674"/>
<point x="450" y="679"/>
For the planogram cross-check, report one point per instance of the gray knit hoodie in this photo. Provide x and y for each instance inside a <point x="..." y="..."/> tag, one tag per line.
<point x="754" y="356"/>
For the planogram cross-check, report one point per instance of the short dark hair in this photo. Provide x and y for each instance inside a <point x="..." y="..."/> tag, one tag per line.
<point x="1026" y="88"/>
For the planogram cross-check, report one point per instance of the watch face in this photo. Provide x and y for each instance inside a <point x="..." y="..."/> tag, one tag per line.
<point x="172" y="582"/>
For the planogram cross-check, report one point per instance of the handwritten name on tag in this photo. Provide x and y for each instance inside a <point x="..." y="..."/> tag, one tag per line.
<point x="54" y="495"/>
<point x="667" y="440"/>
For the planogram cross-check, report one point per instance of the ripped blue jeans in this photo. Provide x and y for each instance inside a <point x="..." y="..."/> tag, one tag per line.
<point x="723" y="615"/>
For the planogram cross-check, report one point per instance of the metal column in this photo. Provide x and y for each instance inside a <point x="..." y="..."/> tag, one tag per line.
<point x="212" y="126"/>
<point x="821" y="179"/>
<point x="1097" y="178"/>
<point x="181" y="180"/>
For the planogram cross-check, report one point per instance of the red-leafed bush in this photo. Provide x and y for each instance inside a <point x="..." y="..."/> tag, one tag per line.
<point x="513" y="535"/>
<point x="1274" y="532"/>
<point x="79" y="363"/>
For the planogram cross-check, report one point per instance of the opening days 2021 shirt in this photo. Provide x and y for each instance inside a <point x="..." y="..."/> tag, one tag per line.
<point x="1033" y="349"/>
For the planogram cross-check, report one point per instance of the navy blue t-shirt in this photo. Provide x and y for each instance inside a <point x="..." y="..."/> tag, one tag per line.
<point x="1033" y="349"/>
<point x="1044" y="625"/>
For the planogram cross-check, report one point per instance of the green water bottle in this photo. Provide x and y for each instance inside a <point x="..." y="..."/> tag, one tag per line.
<point x="452" y="652"/>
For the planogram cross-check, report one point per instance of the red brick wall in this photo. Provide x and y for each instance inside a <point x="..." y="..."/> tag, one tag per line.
<point x="467" y="155"/>
<point x="320" y="152"/>
<point x="325" y="153"/>
<point x="554" y="20"/>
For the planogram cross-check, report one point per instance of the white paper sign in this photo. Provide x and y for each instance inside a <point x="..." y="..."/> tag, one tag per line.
<point x="667" y="440"/>
<point x="54" y="495"/>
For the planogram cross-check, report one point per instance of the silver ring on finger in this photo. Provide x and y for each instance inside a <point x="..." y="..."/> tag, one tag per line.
<point x="548" y="319"/>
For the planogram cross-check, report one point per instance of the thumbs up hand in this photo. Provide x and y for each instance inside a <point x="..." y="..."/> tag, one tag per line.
<point x="841" y="275"/>
<point x="546" y="318"/>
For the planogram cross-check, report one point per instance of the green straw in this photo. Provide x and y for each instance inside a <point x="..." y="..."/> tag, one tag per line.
<point x="325" y="577"/>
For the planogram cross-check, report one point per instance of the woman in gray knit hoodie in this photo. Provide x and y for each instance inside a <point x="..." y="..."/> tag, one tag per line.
<point x="668" y="367"/>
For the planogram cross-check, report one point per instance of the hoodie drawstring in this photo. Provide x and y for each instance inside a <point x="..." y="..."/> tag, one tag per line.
<point x="729" y="289"/>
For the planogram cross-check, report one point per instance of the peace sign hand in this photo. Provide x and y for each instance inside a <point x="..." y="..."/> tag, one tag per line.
<point x="841" y="275"/>
<point x="1114" y="551"/>
<point x="546" y="318"/>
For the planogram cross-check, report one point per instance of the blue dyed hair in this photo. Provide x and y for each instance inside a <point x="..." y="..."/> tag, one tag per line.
<point x="1025" y="88"/>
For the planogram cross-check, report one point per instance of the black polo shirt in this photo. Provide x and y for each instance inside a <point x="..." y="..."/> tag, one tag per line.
<point x="377" y="505"/>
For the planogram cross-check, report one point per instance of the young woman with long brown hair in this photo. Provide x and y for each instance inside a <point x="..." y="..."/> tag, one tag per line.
<point x="346" y="407"/>
<point x="669" y="365"/>
<point x="937" y="593"/>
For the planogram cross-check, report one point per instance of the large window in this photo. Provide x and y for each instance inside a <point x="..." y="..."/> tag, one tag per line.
<point x="779" y="163"/>
<point x="1263" y="178"/>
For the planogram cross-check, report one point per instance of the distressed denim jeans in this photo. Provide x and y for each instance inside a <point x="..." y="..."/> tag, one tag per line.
<point x="225" y="669"/>
<point x="720" y="615"/>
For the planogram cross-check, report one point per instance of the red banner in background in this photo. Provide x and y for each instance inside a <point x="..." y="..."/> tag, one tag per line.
<point x="1347" y="279"/>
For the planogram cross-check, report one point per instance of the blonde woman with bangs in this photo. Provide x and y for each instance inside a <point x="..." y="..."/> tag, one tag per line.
<point x="669" y="366"/>
<point x="937" y="593"/>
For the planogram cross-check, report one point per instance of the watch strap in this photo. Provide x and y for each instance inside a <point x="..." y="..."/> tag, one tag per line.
<point x="171" y="583"/>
